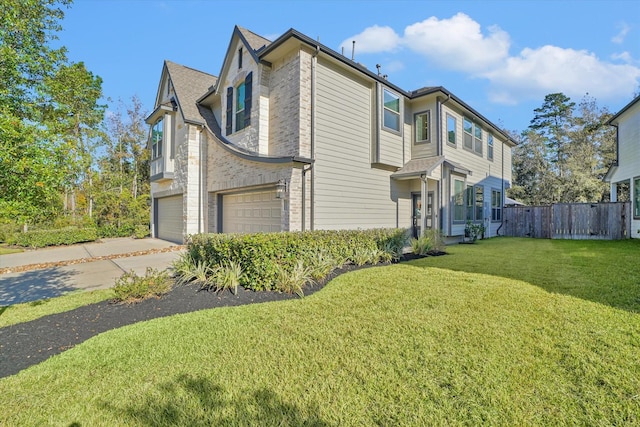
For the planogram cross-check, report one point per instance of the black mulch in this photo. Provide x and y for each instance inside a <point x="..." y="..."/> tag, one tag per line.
<point x="29" y="343"/>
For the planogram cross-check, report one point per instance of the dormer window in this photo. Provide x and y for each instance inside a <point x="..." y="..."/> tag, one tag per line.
<point x="157" y="133"/>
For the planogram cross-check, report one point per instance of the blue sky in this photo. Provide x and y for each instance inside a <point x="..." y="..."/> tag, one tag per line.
<point x="500" y="56"/>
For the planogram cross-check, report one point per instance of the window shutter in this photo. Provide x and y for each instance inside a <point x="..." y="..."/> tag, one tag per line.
<point x="229" y="110"/>
<point x="248" y="90"/>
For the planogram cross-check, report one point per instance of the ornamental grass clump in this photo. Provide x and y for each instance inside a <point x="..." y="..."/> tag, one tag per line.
<point x="291" y="281"/>
<point x="130" y="287"/>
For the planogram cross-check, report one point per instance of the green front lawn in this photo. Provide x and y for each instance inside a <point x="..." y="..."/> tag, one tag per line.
<point x="504" y="332"/>
<point x="5" y="251"/>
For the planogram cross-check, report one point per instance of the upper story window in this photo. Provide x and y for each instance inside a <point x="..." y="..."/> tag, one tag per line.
<point x="391" y="114"/>
<point x="240" y="58"/>
<point x="467" y="126"/>
<point x="490" y="147"/>
<point x="157" y="133"/>
<point x="472" y="136"/>
<point x="451" y="129"/>
<point x="422" y="127"/>
<point x="240" y="106"/>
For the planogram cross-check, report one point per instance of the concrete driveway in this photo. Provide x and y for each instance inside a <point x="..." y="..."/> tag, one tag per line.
<point x="54" y="271"/>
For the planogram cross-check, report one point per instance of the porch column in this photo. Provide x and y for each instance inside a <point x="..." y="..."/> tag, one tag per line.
<point x="423" y="197"/>
<point x="614" y="192"/>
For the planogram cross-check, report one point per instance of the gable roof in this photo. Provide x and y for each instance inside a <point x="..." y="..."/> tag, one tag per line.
<point x="189" y="84"/>
<point x="621" y="112"/>
<point x="253" y="40"/>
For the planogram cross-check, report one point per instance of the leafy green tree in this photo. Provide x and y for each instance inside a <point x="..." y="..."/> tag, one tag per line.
<point x="534" y="183"/>
<point x="29" y="157"/>
<point x="553" y="122"/>
<point x="124" y="170"/>
<point x="26" y="58"/>
<point x="73" y="113"/>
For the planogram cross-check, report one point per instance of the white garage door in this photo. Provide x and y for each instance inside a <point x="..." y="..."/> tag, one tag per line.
<point x="170" y="219"/>
<point x="251" y="212"/>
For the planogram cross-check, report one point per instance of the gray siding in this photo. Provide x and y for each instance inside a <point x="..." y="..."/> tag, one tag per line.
<point x="349" y="193"/>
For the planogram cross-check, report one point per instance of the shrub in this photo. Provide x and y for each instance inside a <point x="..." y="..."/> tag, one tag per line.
<point x="131" y="287"/>
<point x="262" y="255"/>
<point x="43" y="238"/>
<point x="141" y="231"/>
<point x="291" y="281"/>
<point x="473" y="231"/>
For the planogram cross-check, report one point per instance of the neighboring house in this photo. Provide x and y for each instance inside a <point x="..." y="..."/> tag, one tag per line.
<point x="294" y="136"/>
<point x="625" y="172"/>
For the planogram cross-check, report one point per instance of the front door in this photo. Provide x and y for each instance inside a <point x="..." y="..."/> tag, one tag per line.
<point x="416" y="209"/>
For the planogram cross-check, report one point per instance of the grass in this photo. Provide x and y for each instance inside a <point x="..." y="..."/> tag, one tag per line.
<point x="25" y="312"/>
<point x="5" y="250"/>
<point x="432" y="342"/>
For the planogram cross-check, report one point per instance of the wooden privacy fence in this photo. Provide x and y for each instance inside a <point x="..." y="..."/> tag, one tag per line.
<point x="579" y="221"/>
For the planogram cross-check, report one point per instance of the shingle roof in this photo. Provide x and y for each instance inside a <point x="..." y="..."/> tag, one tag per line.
<point x="417" y="167"/>
<point x="256" y="41"/>
<point x="189" y="85"/>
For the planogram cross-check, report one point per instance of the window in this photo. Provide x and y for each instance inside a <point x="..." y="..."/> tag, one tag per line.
<point x="156" y="139"/>
<point x="458" y="200"/>
<point x="422" y="127"/>
<point x="451" y="129"/>
<point x="240" y="58"/>
<point x="467" y="126"/>
<point x="468" y="198"/>
<point x="240" y="102"/>
<point x="496" y="205"/>
<point x="472" y="136"/>
<point x="636" y="198"/>
<point x="479" y="203"/>
<point x="391" y="114"/>
<point x="478" y="139"/>
<point x="490" y="147"/>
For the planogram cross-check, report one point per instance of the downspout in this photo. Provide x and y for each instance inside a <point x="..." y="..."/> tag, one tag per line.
<point x="314" y="60"/>
<point x="439" y="151"/>
<point x="502" y="195"/>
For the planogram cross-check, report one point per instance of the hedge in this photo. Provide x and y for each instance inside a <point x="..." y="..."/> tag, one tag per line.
<point x="43" y="238"/>
<point x="261" y="255"/>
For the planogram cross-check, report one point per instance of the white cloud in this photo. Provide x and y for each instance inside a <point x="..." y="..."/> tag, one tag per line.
<point x="458" y="43"/>
<point x="536" y="72"/>
<point x="372" y="40"/>
<point x="623" y="56"/>
<point x="624" y="30"/>
<point x="393" y="66"/>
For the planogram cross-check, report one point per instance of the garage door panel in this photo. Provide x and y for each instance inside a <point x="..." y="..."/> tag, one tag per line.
<point x="254" y="212"/>
<point x="170" y="219"/>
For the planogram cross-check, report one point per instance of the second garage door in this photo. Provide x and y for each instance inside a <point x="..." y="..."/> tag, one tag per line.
<point x="258" y="211"/>
<point x="170" y="219"/>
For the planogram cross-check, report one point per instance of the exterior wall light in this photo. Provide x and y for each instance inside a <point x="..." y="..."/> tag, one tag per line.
<point x="281" y="188"/>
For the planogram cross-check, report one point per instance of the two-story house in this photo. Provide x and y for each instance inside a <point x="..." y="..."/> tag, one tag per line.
<point x="626" y="168"/>
<point x="292" y="135"/>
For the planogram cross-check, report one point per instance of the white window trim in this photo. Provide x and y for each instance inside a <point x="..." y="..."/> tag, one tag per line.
<point x="455" y="130"/>
<point x="399" y="113"/>
<point x="498" y="206"/>
<point x="415" y="124"/>
<point x="475" y="141"/>
<point x="491" y="145"/>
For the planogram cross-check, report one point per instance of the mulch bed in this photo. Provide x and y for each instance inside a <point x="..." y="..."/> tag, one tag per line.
<point x="29" y="343"/>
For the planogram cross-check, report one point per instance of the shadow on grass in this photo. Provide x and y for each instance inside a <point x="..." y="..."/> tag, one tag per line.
<point x="189" y="401"/>
<point x="33" y="285"/>
<point x="604" y="272"/>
